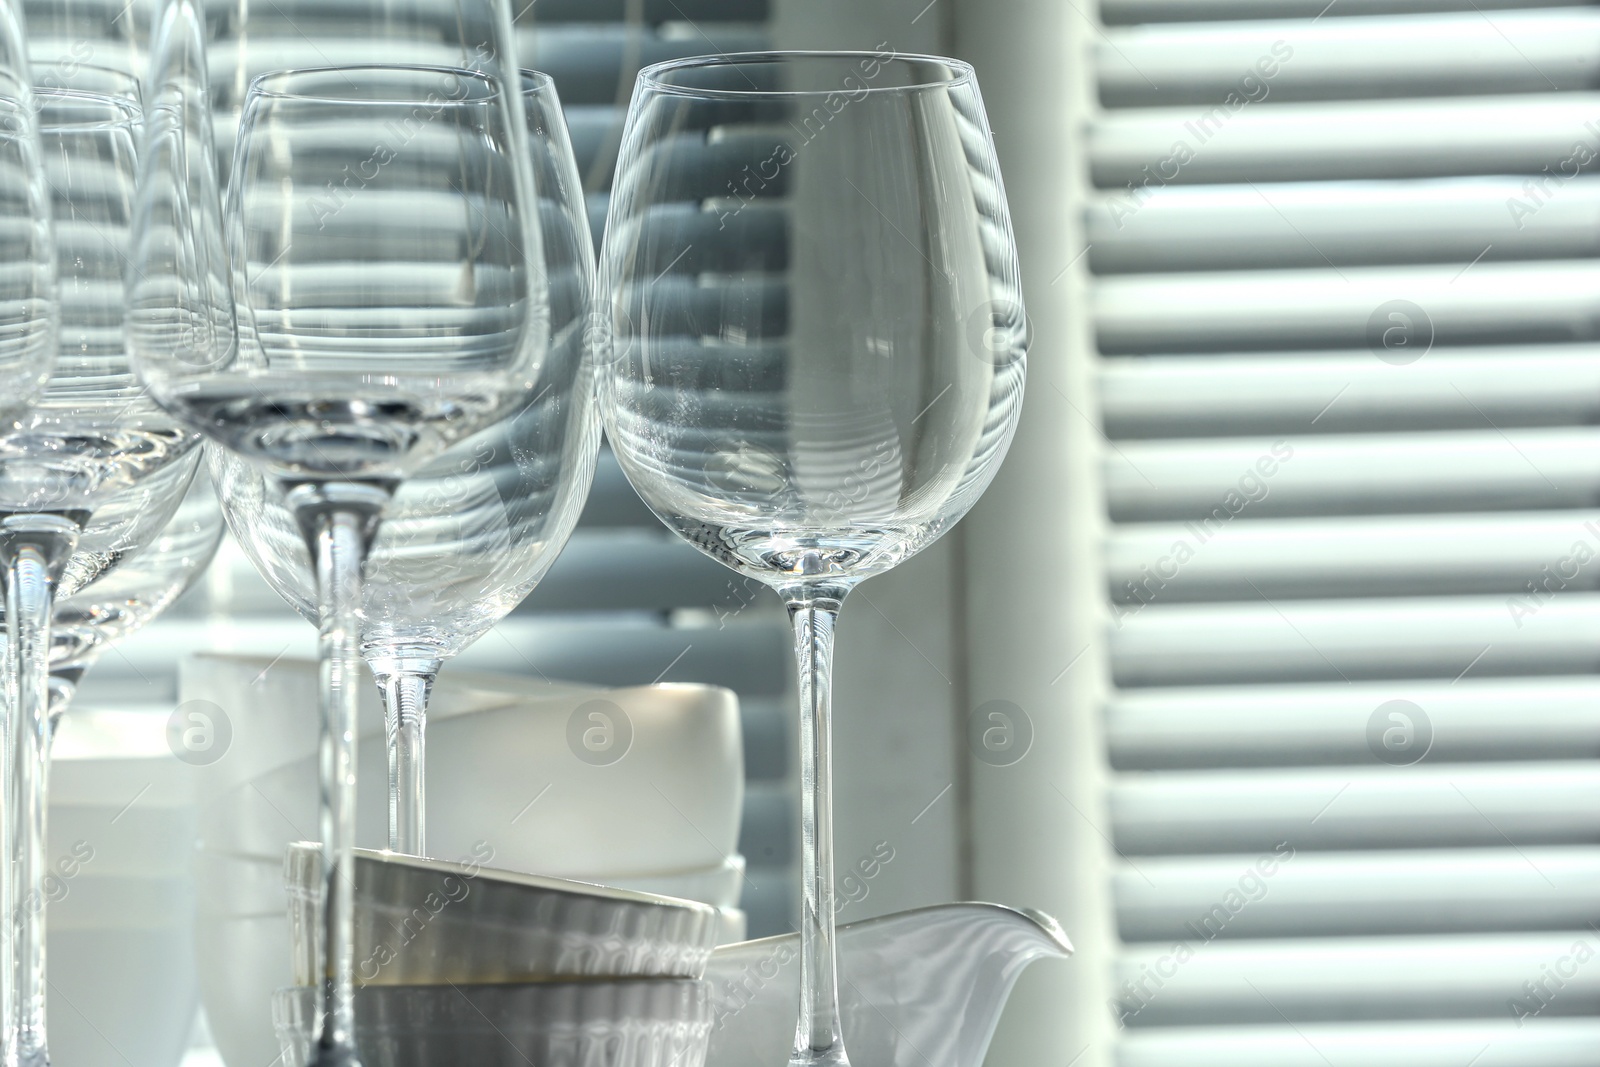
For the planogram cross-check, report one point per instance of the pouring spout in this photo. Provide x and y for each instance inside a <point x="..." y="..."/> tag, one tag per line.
<point x="922" y="988"/>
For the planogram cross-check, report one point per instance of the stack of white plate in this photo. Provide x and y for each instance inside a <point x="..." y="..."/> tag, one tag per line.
<point x="511" y="786"/>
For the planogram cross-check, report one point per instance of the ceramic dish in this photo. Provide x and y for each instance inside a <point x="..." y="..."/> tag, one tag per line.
<point x="427" y="922"/>
<point x="630" y="1023"/>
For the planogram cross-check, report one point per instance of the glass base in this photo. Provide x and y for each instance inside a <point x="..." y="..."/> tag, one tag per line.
<point x="828" y="1057"/>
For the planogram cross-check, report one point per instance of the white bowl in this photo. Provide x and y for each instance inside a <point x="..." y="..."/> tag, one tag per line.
<point x="120" y="925"/>
<point x="502" y="769"/>
<point x="719" y="885"/>
<point x="121" y="995"/>
<point x="228" y="884"/>
<point x="241" y="961"/>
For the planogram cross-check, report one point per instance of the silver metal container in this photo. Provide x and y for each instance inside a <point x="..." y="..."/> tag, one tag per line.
<point x="427" y="922"/>
<point x="637" y="1022"/>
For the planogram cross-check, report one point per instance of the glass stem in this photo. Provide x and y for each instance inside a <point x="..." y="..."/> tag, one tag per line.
<point x="34" y="548"/>
<point x="63" y="687"/>
<point x="406" y="684"/>
<point x="30" y="925"/>
<point x="338" y="522"/>
<point x="814" y="610"/>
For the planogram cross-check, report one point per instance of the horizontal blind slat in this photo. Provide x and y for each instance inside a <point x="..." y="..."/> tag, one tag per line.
<point x="1393" y="55"/>
<point x="1531" y="803"/>
<point x="1349" y="640"/>
<point x="1352" y="893"/>
<point x="1473" y="719"/>
<point x="1419" y="138"/>
<point x="1357" y="979"/>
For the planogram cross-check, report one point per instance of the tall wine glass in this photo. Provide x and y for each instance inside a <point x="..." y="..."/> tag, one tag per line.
<point x="29" y="316"/>
<point x="470" y="535"/>
<point x="87" y="476"/>
<point x="817" y="351"/>
<point x="382" y="232"/>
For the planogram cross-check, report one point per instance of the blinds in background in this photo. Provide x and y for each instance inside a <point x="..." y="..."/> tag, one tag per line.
<point x="627" y="603"/>
<point x="1346" y="302"/>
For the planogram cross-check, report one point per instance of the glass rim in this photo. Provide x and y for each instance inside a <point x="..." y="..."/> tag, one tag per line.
<point x="534" y="81"/>
<point x="651" y="76"/>
<point x="129" y="112"/>
<point x="123" y="75"/>
<point x="260" y="85"/>
<point x="124" y="94"/>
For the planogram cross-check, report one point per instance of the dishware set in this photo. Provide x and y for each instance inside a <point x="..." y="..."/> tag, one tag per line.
<point x="459" y="960"/>
<point x="391" y="350"/>
<point x="519" y="800"/>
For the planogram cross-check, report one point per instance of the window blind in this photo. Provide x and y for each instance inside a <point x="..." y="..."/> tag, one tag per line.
<point x="1343" y="289"/>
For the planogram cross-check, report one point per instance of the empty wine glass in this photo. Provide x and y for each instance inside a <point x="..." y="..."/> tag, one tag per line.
<point x="29" y="316"/>
<point x="470" y="535"/>
<point x="817" y="350"/>
<point x="87" y="476"/>
<point x="382" y="234"/>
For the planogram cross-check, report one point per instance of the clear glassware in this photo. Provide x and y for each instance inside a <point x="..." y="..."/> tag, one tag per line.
<point x="383" y="240"/>
<point x="469" y="536"/>
<point x="88" y="475"/>
<point x="817" y="350"/>
<point x="29" y="317"/>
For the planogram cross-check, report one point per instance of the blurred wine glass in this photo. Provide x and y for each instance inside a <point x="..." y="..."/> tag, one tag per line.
<point x="470" y="535"/>
<point x="29" y="318"/>
<point x="383" y="244"/>
<point x="88" y="475"/>
<point x="817" y="349"/>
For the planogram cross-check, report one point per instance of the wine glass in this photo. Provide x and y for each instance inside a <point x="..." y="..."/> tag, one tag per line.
<point x="471" y="534"/>
<point x="88" y="475"/>
<point x="816" y="353"/>
<point x="89" y="620"/>
<point x="29" y="316"/>
<point x="383" y="239"/>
